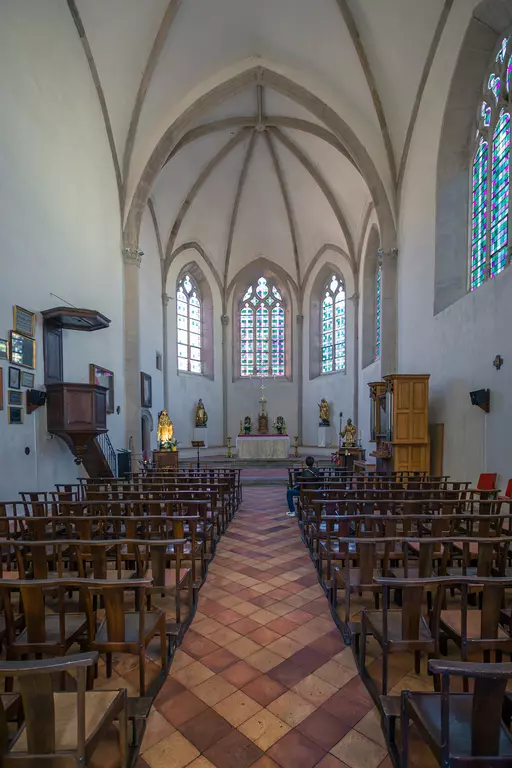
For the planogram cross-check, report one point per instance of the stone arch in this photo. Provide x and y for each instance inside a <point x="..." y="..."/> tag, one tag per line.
<point x="368" y="278"/>
<point x="488" y="22"/>
<point x="257" y="74"/>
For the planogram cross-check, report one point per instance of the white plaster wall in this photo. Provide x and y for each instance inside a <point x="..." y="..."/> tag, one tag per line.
<point x="59" y="214"/>
<point x="150" y="316"/>
<point x="185" y="389"/>
<point x="458" y="345"/>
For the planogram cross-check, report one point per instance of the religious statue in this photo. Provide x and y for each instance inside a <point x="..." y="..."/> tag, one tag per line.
<point x="262" y="423"/>
<point x="280" y="426"/>
<point x="201" y="415"/>
<point x="247" y="427"/>
<point x="349" y="434"/>
<point x="324" y="413"/>
<point x="165" y="432"/>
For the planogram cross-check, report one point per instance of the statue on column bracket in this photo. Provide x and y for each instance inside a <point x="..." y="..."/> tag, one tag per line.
<point x="201" y="415"/>
<point x="324" y="413"/>
<point x="133" y="256"/>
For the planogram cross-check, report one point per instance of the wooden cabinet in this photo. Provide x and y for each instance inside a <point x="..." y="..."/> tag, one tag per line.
<point x="399" y="423"/>
<point x="166" y="459"/>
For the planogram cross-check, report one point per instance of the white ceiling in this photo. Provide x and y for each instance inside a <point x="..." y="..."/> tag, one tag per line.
<point x="310" y="42"/>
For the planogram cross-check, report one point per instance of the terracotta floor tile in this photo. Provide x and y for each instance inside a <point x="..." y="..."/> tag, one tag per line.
<point x="309" y="659"/>
<point x="263" y="601"/>
<point x="348" y="710"/>
<point x="182" y="708"/>
<point x="175" y="751"/>
<point x="245" y="626"/>
<point x="281" y="609"/>
<point x="169" y="690"/>
<point x="288" y="673"/>
<point x="233" y="751"/>
<point x="219" y="660"/>
<point x="157" y="728"/>
<point x="181" y="659"/>
<point x="206" y="729"/>
<point x="291" y="587"/>
<point x="237" y="708"/>
<point x="324" y="729"/>
<point x="264" y="659"/>
<point x="264" y="729"/>
<point x="264" y="762"/>
<point x="201" y="647"/>
<point x="277" y="593"/>
<point x="263" y="635"/>
<point x="346" y="658"/>
<point x="299" y="617"/>
<point x="264" y="690"/>
<point x="329" y="761"/>
<point x="330" y="643"/>
<point x="247" y="594"/>
<point x="240" y="674"/>
<point x="357" y="751"/>
<point x="225" y="636"/>
<point x="213" y="690"/>
<point x="210" y="608"/>
<point x="281" y="625"/>
<point x="201" y="762"/>
<point x="296" y="751"/>
<point x="285" y="647"/>
<point x="206" y="627"/>
<point x="370" y="726"/>
<point x="228" y="617"/>
<point x="291" y="708"/>
<point x="243" y="647"/>
<point x="231" y="601"/>
<point x="245" y="608"/>
<point x="263" y="616"/>
<point x="335" y="674"/>
<point x="315" y="690"/>
<point x="193" y="674"/>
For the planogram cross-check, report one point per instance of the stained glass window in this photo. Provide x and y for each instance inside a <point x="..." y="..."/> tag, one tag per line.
<point x="490" y="192"/>
<point x="332" y="321"/>
<point x="188" y="321"/>
<point x="262" y="330"/>
<point x="378" y="309"/>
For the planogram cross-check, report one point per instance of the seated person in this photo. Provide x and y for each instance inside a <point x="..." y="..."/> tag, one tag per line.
<point x="310" y="473"/>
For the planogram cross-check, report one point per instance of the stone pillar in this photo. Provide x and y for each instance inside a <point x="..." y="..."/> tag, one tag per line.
<point x="132" y="258"/>
<point x="300" y="373"/>
<point x="224" y="319"/>
<point x="165" y="361"/>
<point x="355" y="340"/>
<point x="389" y="314"/>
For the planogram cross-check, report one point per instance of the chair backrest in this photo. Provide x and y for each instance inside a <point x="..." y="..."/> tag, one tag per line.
<point x="508" y="490"/>
<point x="487" y="481"/>
<point x="113" y="594"/>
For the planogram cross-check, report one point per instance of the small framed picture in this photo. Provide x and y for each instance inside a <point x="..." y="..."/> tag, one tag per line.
<point x="23" y="350"/>
<point x="4" y="349"/>
<point x="14" y="397"/>
<point x="24" y="321"/>
<point x="27" y="379"/>
<point x="104" y="378"/>
<point x="146" y="390"/>
<point x="15" y="415"/>
<point x="14" y="378"/>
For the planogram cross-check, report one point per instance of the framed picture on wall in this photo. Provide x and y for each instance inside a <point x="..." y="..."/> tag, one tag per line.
<point x="4" y="349"/>
<point x="14" y="378"/>
<point x="24" y="321"/>
<point x="15" y="415"/>
<point x="104" y="378"/>
<point x="23" y="350"/>
<point x="14" y="397"/>
<point x="146" y="390"/>
<point x="27" y="379"/>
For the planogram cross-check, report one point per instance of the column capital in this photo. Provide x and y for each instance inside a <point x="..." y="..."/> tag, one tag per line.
<point x="133" y="256"/>
<point x="224" y="319"/>
<point x="165" y="299"/>
<point x="383" y="255"/>
<point x="299" y="319"/>
<point x="354" y="297"/>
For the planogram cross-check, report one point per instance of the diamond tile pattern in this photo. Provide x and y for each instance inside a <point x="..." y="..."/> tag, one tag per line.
<point x="263" y="678"/>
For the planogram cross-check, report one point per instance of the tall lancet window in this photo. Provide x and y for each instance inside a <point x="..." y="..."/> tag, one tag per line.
<point x="378" y="309"/>
<point x="262" y="330"/>
<point x="188" y="320"/>
<point x="332" y="321"/>
<point x="490" y="188"/>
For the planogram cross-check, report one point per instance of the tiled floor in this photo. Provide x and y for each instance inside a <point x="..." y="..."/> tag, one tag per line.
<point x="263" y="678"/>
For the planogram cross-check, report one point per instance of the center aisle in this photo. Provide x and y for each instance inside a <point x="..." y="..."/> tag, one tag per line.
<point x="263" y="678"/>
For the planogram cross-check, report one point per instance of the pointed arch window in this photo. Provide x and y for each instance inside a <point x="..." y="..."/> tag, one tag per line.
<point x="490" y="187"/>
<point x="262" y="330"/>
<point x="189" y="326"/>
<point x="332" y="321"/>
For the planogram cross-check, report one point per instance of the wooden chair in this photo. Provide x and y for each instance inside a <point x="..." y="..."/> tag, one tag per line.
<point x="128" y="631"/>
<point x="59" y="727"/>
<point x="372" y="560"/>
<point x="461" y="729"/>
<point x="405" y="629"/>
<point x="487" y="481"/>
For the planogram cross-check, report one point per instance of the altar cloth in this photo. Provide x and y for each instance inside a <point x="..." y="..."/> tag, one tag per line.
<point x="263" y="446"/>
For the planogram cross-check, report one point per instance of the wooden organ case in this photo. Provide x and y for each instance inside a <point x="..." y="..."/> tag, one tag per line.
<point x="399" y="423"/>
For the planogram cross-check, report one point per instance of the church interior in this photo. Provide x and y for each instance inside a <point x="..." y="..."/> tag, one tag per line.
<point x="255" y="486"/>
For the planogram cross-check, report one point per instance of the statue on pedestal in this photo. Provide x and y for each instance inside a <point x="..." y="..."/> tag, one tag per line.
<point x="349" y="434"/>
<point x="280" y="426"/>
<point x="165" y="432"/>
<point x="324" y="413"/>
<point x="201" y="415"/>
<point x="247" y="426"/>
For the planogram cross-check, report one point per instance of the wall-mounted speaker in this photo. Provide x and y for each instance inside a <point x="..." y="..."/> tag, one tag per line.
<point x="481" y="398"/>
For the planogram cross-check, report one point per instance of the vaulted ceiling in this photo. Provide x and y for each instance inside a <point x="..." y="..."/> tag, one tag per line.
<point x="258" y="170"/>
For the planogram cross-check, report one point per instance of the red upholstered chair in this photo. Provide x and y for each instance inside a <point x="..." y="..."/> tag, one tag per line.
<point x="508" y="490"/>
<point x="487" y="481"/>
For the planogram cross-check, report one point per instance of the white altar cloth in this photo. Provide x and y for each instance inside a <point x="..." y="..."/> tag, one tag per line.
<point x="263" y="447"/>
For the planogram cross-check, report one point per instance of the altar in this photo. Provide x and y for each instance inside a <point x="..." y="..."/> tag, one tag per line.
<point x="263" y="446"/>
